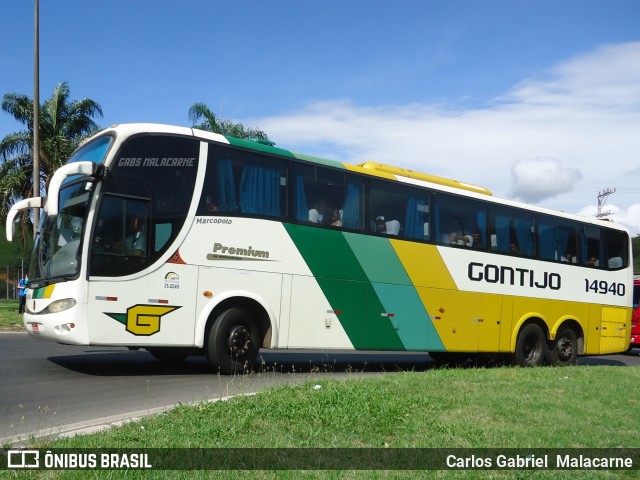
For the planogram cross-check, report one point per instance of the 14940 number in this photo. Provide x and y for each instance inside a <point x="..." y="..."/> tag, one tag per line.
<point x="603" y="287"/>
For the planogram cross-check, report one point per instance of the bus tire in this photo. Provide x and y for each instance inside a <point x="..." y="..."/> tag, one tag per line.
<point x="564" y="349"/>
<point x="531" y="346"/>
<point x="234" y="342"/>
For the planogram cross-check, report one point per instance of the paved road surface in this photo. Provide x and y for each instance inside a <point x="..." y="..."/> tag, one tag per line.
<point x="51" y="389"/>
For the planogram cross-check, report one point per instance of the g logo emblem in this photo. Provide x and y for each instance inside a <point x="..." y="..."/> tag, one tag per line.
<point x="143" y="320"/>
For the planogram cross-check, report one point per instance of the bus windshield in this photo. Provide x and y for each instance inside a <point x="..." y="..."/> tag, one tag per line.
<point x="56" y="250"/>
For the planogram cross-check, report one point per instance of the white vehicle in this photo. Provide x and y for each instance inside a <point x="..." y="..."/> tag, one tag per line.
<point x="184" y="242"/>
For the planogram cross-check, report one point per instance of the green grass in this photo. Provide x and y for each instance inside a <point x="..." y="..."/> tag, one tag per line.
<point x="9" y="317"/>
<point x="573" y="407"/>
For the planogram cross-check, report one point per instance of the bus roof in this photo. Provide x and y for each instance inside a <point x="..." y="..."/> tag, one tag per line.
<point x="368" y="168"/>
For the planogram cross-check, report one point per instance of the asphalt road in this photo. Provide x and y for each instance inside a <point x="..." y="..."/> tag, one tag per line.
<point x="48" y="389"/>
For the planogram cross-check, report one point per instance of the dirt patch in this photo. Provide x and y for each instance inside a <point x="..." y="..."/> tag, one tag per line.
<point x="12" y="328"/>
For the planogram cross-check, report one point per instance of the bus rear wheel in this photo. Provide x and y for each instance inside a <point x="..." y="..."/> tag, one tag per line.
<point x="564" y="349"/>
<point x="531" y="346"/>
<point x="234" y="342"/>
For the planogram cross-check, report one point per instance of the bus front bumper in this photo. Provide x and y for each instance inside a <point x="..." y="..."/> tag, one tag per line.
<point x="69" y="326"/>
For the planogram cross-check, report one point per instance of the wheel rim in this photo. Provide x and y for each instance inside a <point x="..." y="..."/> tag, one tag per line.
<point x="239" y="341"/>
<point x="565" y="349"/>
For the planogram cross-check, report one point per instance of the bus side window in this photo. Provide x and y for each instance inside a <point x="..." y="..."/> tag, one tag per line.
<point x="558" y="240"/>
<point x="615" y="249"/>
<point x="120" y="242"/>
<point x="240" y="182"/>
<point x="398" y="210"/>
<point x="328" y="197"/>
<point x="512" y="232"/>
<point x="591" y="246"/>
<point x="460" y="222"/>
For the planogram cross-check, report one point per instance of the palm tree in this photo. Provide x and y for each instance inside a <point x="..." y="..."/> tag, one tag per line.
<point x="63" y="125"/>
<point x="199" y="112"/>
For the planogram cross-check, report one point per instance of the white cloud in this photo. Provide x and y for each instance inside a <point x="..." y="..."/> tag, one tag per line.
<point x="587" y="81"/>
<point x="629" y="217"/>
<point x="556" y="139"/>
<point x="535" y="179"/>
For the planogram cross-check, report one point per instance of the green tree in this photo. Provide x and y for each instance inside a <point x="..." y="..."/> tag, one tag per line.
<point x="203" y="118"/>
<point x="64" y="124"/>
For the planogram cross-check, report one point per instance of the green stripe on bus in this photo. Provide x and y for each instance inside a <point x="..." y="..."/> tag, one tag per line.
<point x="318" y="160"/>
<point x="377" y="257"/>
<point x="261" y="147"/>
<point x="396" y="292"/>
<point x="349" y="290"/>
<point x="44" y="292"/>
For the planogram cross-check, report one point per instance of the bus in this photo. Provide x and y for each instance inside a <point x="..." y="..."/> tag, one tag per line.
<point x="185" y="242"/>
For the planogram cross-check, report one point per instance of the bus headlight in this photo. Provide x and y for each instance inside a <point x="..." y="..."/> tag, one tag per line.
<point x="59" y="306"/>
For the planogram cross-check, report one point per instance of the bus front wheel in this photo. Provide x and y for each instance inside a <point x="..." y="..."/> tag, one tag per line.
<point x="564" y="349"/>
<point x="531" y="346"/>
<point x="234" y="342"/>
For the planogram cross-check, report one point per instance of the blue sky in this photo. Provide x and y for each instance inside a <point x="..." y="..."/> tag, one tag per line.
<point x="537" y="100"/>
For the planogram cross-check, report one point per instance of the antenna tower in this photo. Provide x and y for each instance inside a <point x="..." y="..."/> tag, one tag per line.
<point x="602" y="198"/>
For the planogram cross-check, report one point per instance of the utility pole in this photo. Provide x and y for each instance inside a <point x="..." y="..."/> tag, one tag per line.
<point x="602" y="198"/>
<point x="36" y="116"/>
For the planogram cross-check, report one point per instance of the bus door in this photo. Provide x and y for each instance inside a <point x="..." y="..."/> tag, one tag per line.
<point x="130" y="303"/>
<point x="466" y="321"/>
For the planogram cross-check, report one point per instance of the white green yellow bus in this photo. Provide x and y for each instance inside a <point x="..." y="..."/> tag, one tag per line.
<point x="241" y="245"/>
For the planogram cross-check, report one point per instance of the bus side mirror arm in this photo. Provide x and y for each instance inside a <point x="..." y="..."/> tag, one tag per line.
<point x="33" y="202"/>
<point x="79" y="168"/>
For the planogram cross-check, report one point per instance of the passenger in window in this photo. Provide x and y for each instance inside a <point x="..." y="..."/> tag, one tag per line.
<point x="459" y="239"/>
<point x="381" y="225"/>
<point x="592" y="262"/>
<point x="135" y="243"/>
<point x="476" y="239"/>
<point x="513" y="249"/>
<point x="336" y="218"/>
<point x="567" y="258"/>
